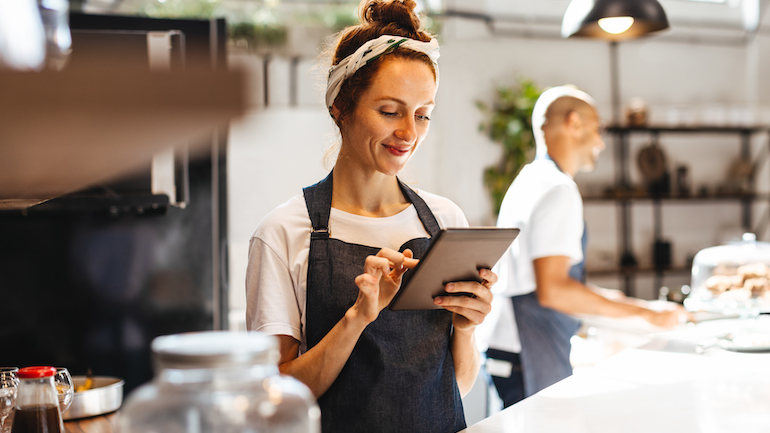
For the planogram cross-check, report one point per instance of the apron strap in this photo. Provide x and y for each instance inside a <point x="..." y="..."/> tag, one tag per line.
<point x="426" y="216"/>
<point x="578" y="270"/>
<point x="318" y="199"/>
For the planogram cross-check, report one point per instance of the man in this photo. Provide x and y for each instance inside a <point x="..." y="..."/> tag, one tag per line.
<point x="541" y="277"/>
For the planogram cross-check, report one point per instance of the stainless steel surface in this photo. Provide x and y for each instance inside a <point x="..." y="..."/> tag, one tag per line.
<point x="105" y="396"/>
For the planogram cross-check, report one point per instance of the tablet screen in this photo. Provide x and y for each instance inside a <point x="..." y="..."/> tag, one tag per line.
<point x="454" y="255"/>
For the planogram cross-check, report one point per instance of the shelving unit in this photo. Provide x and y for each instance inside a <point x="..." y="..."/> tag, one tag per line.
<point x="624" y="195"/>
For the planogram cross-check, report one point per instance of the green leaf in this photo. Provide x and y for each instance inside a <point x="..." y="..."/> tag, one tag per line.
<point x="508" y="122"/>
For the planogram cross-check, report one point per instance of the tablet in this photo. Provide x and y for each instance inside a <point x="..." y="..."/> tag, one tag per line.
<point x="454" y="255"/>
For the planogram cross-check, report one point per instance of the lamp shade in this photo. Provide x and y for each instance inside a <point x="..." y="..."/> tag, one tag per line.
<point x="613" y="19"/>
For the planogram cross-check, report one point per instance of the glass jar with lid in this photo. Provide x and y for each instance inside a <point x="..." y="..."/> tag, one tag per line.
<point x="219" y="381"/>
<point x="732" y="278"/>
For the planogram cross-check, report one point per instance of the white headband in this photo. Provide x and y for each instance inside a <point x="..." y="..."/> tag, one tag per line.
<point x="370" y="51"/>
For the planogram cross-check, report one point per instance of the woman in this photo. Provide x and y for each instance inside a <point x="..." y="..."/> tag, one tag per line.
<point x="324" y="265"/>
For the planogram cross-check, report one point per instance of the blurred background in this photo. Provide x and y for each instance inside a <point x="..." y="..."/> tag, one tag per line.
<point x="117" y="262"/>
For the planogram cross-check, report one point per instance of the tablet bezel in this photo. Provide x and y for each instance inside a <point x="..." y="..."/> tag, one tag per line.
<point x="455" y="254"/>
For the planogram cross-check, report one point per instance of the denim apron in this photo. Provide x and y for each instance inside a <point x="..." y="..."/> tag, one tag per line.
<point x="400" y="376"/>
<point x="545" y="335"/>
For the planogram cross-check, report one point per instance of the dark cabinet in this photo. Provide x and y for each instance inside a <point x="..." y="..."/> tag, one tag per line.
<point x="87" y="288"/>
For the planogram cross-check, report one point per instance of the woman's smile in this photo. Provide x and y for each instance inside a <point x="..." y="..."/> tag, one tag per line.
<point x="398" y="150"/>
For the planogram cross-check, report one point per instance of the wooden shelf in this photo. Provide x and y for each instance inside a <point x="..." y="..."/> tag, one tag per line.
<point x="625" y="195"/>
<point x="689" y="129"/>
<point x="62" y="132"/>
<point x="635" y="271"/>
<point x="692" y="198"/>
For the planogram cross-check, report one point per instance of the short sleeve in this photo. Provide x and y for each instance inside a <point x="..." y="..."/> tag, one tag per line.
<point x="272" y="303"/>
<point x="556" y="225"/>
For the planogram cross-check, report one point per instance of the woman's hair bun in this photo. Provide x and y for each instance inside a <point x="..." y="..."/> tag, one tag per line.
<point x="384" y="12"/>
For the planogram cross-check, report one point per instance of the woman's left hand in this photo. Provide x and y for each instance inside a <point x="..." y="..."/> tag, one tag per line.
<point x="469" y="311"/>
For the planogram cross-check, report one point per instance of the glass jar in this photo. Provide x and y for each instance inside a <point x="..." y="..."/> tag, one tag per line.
<point x="218" y="381"/>
<point x="37" y="404"/>
<point x="9" y="384"/>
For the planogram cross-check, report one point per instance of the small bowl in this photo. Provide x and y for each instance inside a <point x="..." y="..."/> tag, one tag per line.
<point x="105" y="396"/>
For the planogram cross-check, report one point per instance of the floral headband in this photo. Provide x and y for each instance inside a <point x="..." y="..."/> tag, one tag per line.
<point x="370" y="51"/>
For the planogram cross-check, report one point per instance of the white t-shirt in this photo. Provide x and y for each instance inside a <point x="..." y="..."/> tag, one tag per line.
<point x="546" y="205"/>
<point x="276" y="277"/>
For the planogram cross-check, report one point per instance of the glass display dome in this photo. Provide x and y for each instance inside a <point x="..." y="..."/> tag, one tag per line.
<point x="732" y="278"/>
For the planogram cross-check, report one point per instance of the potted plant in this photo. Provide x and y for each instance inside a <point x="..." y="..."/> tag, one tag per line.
<point x="508" y="121"/>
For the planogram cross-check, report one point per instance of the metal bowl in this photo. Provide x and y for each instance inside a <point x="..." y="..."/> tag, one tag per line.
<point x="105" y="396"/>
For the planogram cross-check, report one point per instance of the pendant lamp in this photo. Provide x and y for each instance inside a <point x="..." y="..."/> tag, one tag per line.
<point x="613" y="19"/>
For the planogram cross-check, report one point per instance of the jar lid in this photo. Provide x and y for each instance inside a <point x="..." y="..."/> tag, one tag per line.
<point x="211" y="349"/>
<point x="35" y="372"/>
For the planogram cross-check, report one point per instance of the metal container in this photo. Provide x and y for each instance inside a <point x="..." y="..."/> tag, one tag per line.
<point x="105" y="396"/>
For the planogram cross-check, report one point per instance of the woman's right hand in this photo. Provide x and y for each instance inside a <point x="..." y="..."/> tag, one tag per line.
<point x="380" y="282"/>
<point x="320" y="366"/>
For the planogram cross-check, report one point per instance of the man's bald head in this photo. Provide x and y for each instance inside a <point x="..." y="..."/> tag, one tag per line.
<point x="557" y="114"/>
<point x="544" y="102"/>
<point x="571" y="130"/>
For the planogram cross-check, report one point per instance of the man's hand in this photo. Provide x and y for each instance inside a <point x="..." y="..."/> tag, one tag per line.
<point x="669" y="318"/>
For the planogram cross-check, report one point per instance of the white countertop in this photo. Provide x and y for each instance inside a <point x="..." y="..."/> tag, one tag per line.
<point x="663" y="386"/>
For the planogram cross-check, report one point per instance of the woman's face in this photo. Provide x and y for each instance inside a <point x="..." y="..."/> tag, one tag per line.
<point x="391" y="118"/>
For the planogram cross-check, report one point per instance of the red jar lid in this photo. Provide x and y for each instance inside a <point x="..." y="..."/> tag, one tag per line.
<point x="35" y="372"/>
